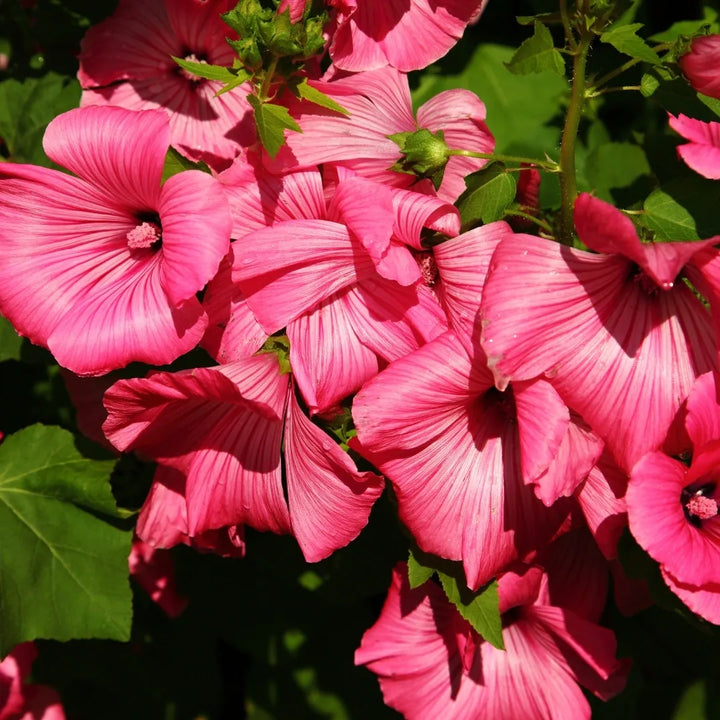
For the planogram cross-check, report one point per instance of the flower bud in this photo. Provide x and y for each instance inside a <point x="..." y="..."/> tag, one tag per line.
<point x="702" y="65"/>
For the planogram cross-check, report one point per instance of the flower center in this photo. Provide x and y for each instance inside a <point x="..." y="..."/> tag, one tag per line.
<point x="699" y="504"/>
<point x="428" y="268"/>
<point x="147" y="234"/>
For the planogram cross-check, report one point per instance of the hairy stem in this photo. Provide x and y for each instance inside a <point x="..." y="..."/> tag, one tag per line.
<point x="568" y="187"/>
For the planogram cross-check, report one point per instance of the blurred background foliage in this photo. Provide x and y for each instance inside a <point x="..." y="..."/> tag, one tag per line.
<point x="269" y="637"/>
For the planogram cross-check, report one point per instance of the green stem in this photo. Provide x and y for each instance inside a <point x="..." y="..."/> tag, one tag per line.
<point x="569" y="36"/>
<point x="568" y="187"/>
<point x="264" y="91"/>
<point x="615" y="88"/>
<point x="545" y="164"/>
<point x="527" y="216"/>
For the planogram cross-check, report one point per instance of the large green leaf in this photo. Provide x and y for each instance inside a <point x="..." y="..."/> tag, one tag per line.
<point x="624" y="39"/>
<point x="27" y="107"/>
<point x="520" y="108"/>
<point x="537" y="54"/>
<point x="614" y="165"/>
<point x="63" y="568"/>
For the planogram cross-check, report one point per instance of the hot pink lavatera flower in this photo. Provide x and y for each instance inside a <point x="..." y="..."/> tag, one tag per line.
<point x="379" y="105"/>
<point x="700" y="65"/>
<point x="20" y="701"/>
<point x="127" y="60"/>
<point x="466" y="461"/>
<point x="223" y="428"/>
<point x="103" y="268"/>
<point x="673" y="509"/>
<point x="618" y="333"/>
<point x="338" y="274"/>
<point x="431" y="663"/>
<point x="702" y="153"/>
<point x="407" y="34"/>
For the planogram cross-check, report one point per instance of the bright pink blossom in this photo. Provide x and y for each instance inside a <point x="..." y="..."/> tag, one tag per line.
<point x="407" y="34"/>
<point x="379" y="104"/>
<point x="431" y="663"/>
<point x="463" y="457"/>
<point x="700" y="65"/>
<point x="702" y="153"/>
<point x="673" y="509"/>
<point x="618" y="333"/>
<point x="103" y="268"/>
<point x="223" y="429"/>
<point x="337" y="273"/>
<point x="19" y="701"/>
<point x="127" y="60"/>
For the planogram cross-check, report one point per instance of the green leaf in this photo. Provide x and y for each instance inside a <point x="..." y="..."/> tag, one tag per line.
<point x="536" y="54"/>
<point x="689" y="28"/>
<point x="241" y="77"/>
<point x="27" y="107"/>
<point x="271" y="121"/>
<point x="488" y="193"/>
<point x="206" y="70"/>
<point x="480" y="609"/>
<point x="303" y="90"/>
<point x="668" y="218"/>
<point x="626" y="40"/>
<point x="692" y="704"/>
<point x="64" y="570"/>
<point x="418" y="574"/>
<point x="10" y="341"/>
<point x="614" y="165"/>
<point x="176" y="163"/>
<point x="527" y="133"/>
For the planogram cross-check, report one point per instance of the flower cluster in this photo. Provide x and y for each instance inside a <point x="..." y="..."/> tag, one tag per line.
<point x="525" y="400"/>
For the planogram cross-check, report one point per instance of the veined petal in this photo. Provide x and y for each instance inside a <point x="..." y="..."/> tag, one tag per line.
<point x="418" y="397"/>
<point x="543" y="420"/>
<point x="233" y="332"/>
<point x="704" y="600"/>
<point x="602" y="500"/>
<point x="289" y="268"/>
<point x="657" y="520"/>
<point x="192" y="207"/>
<point x="127" y="32"/>
<point x="702" y="153"/>
<point x="328" y="359"/>
<point x="462" y="264"/>
<point x="576" y="455"/>
<point x="605" y="342"/>
<point x="703" y="412"/>
<point x="416" y="210"/>
<point x="329" y="500"/>
<point x="393" y="320"/>
<point x="227" y="445"/>
<point x="119" y="151"/>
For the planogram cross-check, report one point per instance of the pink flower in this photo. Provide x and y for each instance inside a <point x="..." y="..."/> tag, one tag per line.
<point x="223" y="429"/>
<point x="339" y="275"/>
<point x="409" y="35"/>
<point x="463" y="457"/>
<point x="103" y="268"/>
<point x="379" y="104"/>
<point x="127" y="60"/>
<point x="19" y="701"/>
<point x="431" y="663"/>
<point x="702" y="153"/>
<point x="618" y="333"/>
<point x="700" y="65"/>
<point x="673" y="509"/>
